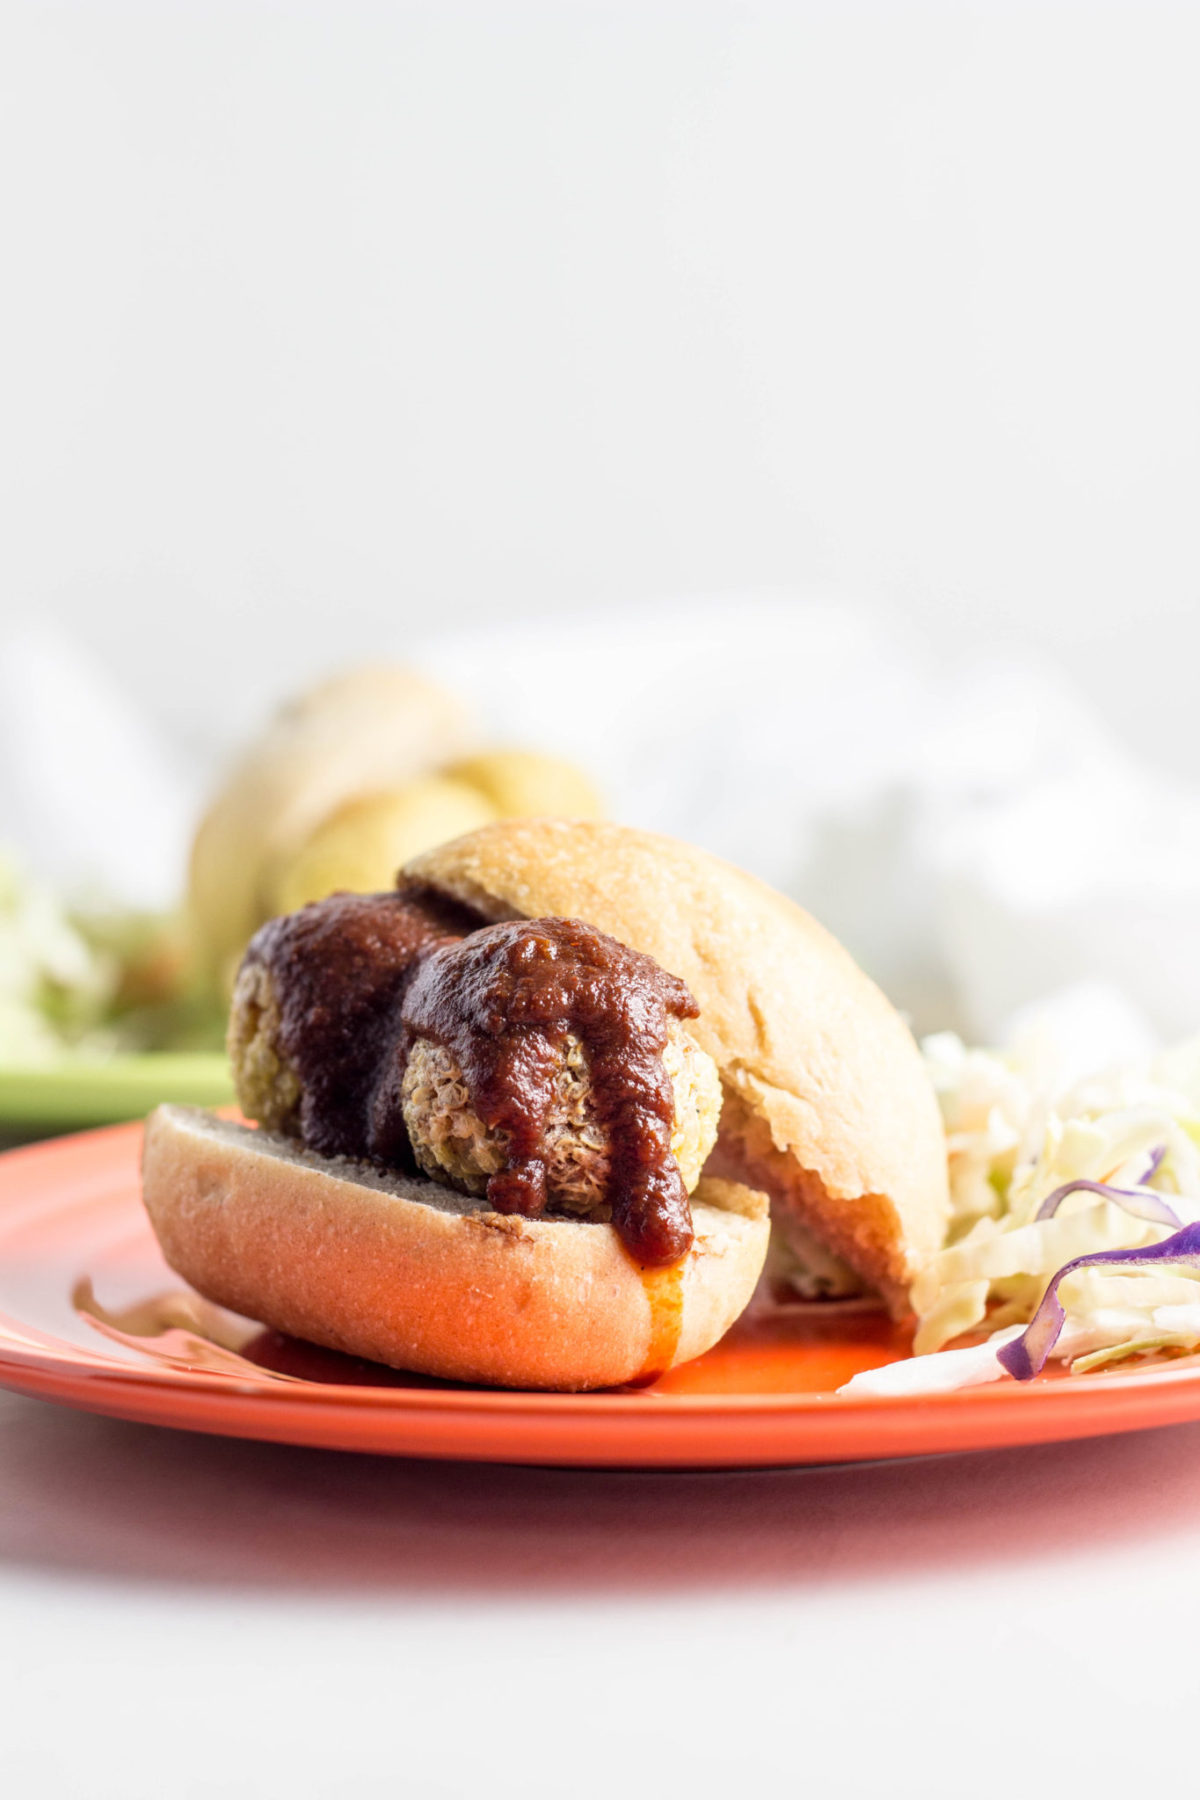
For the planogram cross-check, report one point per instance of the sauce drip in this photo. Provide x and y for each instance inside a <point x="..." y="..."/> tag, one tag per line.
<point x="503" y="1002"/>
<point x="339" y="969"/>
<point x="664" y="1293"/>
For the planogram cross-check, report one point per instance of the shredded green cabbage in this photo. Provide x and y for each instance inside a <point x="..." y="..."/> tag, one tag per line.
<point x="1015" y="1131"/>
<point x="89" y="982"/>
<point x="54" y="985"/>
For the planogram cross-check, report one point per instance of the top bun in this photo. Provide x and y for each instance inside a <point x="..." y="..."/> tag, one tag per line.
<point x="826" y="1104"/>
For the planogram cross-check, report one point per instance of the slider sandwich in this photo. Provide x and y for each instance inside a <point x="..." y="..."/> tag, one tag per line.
<point x="522" y="1120"/>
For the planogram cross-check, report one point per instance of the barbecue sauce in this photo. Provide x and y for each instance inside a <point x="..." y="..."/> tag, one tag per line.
<point x="339" y="969"/>
<point x="504" y="1000"/>
<point x="358" y="976"/>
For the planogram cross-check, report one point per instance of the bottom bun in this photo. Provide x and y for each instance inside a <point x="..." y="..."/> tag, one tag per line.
<point x="413" y="1274"/>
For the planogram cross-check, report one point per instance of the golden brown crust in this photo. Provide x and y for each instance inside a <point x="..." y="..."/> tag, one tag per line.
<point x="413" y="1274"/>
<point x="826" y="1098"/>
<point x="451" y="1142"/>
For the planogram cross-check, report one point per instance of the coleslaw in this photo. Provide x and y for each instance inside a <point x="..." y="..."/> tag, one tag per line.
<point x="1071" y="1208"/>
<point x="90" y="982"/>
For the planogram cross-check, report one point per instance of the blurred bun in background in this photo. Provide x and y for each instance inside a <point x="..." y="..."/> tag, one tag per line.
<point x="523" y="784"/>
<point x="348" y="782"/>
<point x="363" y="842"/>
<point x="355" y="733"/>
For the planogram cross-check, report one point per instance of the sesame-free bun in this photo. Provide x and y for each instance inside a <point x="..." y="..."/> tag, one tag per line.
<point x="364" y="841"/>
<point x="368" y="730"/>
<point x="827" y="1105"/>
<point x="411" y="1273"/>
<point x="524" y="784"/>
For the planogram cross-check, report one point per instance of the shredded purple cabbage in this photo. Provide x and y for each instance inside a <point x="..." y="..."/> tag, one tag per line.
<point x="1154" y="1165"/>
<point x="1149" y="1206"/>
<point x="1026" y="1356"/>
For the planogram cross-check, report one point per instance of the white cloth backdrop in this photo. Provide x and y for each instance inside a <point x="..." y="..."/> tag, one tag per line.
<point x="972" y="829"/>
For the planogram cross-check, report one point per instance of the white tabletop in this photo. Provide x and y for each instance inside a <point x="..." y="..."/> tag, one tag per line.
<point x="185" y="1616"/>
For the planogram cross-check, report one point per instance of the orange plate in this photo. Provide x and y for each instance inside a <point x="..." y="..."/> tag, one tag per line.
<point x="91" y="1315"/>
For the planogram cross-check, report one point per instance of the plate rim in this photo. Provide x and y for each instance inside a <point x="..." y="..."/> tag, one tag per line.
<point x="980" y="1417"/>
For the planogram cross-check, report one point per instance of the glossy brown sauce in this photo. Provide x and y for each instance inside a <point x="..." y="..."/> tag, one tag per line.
<point x="357" y="976"/>
<point x="339" y="969"/>
<point x="503" y="1002"/>
<point x="664" y="1293"/>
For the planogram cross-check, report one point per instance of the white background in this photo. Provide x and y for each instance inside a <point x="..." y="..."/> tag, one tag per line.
<point x="322" y="324"/>
<point x="187" y="1617"/>
<point x="318" y="322"/>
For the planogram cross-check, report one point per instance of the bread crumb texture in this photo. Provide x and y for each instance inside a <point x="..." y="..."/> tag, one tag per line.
<point x="453" y="1144"/>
